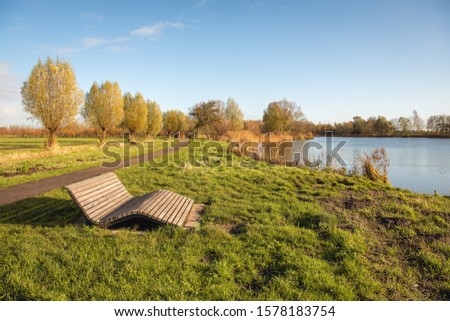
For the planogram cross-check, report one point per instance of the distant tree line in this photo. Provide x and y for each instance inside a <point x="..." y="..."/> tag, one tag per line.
<point x="414" y="125"/>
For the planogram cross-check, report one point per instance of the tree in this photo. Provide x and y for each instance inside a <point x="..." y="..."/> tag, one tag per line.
<point x="51" y="95"/>
<point x="370" y="126"/>
<point x="174" y="121"/>
<point x="439" y="124"/>
<point x="383" y="126"/>
<point x="417" y="122"/>
<point x="280" y="116"/>
<point x="234" y="116"/>
<point x="432" y="124"/>
<point x="154" y="119"/>
<point x="405" y="124"/>
<point x="359" y="125"/>
<point x="444" y="124"/>
<point x="208" y="116"/>
<point x="103" y="107"/>
<point x="343" y="129"/>
<point x="395" y="124"/>
<point x="135" y="114"/>
<point x="182" y="121"/>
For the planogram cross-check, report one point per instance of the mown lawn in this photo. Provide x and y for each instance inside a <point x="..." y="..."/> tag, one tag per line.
<point x="24" y="160"/>
<point x="267" y="233"/>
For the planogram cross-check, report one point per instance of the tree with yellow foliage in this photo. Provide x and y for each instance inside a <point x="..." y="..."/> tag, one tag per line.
<point x="51" y="95"/>
<point x="174" y="121"/>
<point x="234" y="116"/>
<point x="135" y="114"/>
<point x="103" y="107"/>
<point x="154" y="119"/>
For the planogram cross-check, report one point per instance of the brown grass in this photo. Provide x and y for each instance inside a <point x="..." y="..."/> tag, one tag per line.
<point x="248" y="136"/>
<point x="58" y="150"/>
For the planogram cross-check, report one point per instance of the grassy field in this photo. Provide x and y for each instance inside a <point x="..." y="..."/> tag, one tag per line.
<point x="267" y="233"/>
<point x="24" y="160"/>
<point x="10" y="145"/>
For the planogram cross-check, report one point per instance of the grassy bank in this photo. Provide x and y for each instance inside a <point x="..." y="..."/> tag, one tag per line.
<point x="24" y="160"/>
<point x="267" y="233"/>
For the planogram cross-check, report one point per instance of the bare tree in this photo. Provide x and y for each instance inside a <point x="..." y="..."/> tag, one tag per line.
<point x="417" y="122"/>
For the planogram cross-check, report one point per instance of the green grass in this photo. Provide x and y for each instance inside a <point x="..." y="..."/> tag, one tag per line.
<point x="21" y="165"/>
<point x="267" y="233"/>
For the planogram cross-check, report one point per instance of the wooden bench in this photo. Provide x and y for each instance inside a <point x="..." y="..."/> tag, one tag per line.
<point x="105" y="202"/>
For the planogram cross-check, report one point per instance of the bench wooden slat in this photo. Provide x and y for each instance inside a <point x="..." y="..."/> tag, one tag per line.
<point x="180" y="206"/>
<point x="128" y="208"/>
<point x="92" y="182"/>
<point x="187" y="203"/>
<point x="159" y="212"/>
<point x="184" y="214"/>
<point x="165" y="217"/>
<point x="148" y="206"/>
<point x="104" y="200"/>
<point x="109" y="194"/>
<point x="98" y="213"/>
<point x="99" y="187"/>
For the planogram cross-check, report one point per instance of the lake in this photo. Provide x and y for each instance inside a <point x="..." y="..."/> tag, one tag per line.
<point x="418" y="164"/>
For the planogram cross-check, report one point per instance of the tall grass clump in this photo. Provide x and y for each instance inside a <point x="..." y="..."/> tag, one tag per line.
<point x="374" y="166"/>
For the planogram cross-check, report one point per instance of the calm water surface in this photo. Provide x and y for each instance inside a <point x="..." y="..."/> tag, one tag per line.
<point x="418" y="164"/>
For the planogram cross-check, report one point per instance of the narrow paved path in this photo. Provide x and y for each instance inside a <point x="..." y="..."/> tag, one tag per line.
<point x="20" y="192"/>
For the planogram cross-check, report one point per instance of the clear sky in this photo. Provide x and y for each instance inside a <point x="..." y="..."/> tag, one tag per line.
<point x="336" y="59"/>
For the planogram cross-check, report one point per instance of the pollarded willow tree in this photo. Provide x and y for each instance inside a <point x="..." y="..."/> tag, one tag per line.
<point x="136" y="112"/>
<point x="154" y="119"/>
<point x="51" y="95"/>
<point x="103" y="107"/>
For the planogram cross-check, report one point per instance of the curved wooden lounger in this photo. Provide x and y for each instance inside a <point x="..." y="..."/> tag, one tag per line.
<point x="105" y="202"/>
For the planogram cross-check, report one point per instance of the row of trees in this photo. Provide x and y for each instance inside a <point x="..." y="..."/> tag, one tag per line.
<point x="106" y="108"/>
<point x="51" y="96"/>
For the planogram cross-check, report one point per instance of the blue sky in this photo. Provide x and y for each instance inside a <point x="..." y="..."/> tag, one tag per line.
<point x="336" y="59"/>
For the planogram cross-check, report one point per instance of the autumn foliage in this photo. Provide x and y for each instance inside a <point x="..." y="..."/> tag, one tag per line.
<point x="51" y="95"/>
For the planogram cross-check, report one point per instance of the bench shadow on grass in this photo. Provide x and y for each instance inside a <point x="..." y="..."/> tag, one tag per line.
<point x="48" y="212"/>
<point x="40" y="211"/>
<point x="136" y="224"/>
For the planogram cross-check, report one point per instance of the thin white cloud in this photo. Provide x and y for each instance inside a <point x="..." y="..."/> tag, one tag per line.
<point x="257" y="4"/>
<point x="93" y="16"/>
<point x="86" y="44"/>
<point x="156" y="30"/>
<point x="118" y="48"/>
<point x="16" y="23"/>
<point x="200" y="3"/>
<point x="117" y="44"/>
<point x="11" y="111"/>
